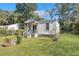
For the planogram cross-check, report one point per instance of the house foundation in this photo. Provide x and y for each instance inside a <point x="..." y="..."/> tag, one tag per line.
<point x="35" y="35"/>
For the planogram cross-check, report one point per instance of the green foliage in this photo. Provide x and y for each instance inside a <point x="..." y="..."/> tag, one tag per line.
<point x="19" y="36"/>
<point x="7" y="17"/>
<point x="8" y="40"/>
<point x="12" y="19"/>
<point x="63" y="16"/>
<point x="68" y="14"/>
<point x="23" y="10"/>
<point x="68" y="45"/>
<point x="20" y="31"/>
<point x="35" y="16"/>
<point x="19" y="39"/>
<point x="67" y="17"/>
<point x="64" y="9"/>
<point x="2" y="32"/>
<point x="10" y="32"/>
<point x="76" y="29"/>
<point x="3" y="17"/>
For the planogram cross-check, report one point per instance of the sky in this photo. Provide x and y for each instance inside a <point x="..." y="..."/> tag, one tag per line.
<point x="44" y="6"/>
<point x="8" y="6"/>
<point x="40" y="7"/>
<point x="12" y="6"/>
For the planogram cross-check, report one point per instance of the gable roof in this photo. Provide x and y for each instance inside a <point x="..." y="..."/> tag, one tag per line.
<point x="30" y="21"/>
<point x="46" y="21"/>
<point x="41" y="21"/>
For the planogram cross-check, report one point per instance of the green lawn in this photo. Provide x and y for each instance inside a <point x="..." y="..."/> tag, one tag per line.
<point x="68" y="44"/>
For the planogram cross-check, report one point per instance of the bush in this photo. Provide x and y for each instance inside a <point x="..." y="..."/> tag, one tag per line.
<point x="2" y="32"/>
<point x="19" y="37"/>
<point x="7" y="40"/>
<point x="76" y="29"/>
<point x="10" y="32"/>
<point x="20" y="31"/>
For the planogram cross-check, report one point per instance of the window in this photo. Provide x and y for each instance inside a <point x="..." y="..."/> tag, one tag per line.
<point x="47" y="26"/>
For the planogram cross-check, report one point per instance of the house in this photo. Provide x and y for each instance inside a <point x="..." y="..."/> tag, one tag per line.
<point x="42" y="27"/>
<point x="11" y="27"/>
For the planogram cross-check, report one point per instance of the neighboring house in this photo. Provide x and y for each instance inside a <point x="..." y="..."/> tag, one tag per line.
<point x="43" y="27"/>
<point x="3" y="27"/>
<point x="11" y="27"/>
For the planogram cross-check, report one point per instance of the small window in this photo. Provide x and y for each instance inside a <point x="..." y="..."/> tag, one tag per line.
<point x="47" y="26"/>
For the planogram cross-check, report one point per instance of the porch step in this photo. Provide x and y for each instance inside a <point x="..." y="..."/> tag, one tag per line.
<point x="27" y="33"/>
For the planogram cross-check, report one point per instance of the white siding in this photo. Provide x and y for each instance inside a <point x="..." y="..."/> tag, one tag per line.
<point x="53" y="28"/>
<point x="56" y="27"/>
<point x="13" y="27"/>
<point x="50" y="26"/>
<point x="41" y="29"/>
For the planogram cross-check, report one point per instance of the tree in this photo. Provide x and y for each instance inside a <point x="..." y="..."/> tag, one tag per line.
<point x="66" y="19"/>
<point x="35" y="16"/>
<point x="12" y="18"/>
<point x="7" y="17"/>
<point x="3" y="17"/>
<point x="76" y="27"/>
<point x="51" y="13"/>
<point x="63" y="11"/>
<point x="24" y="11"/>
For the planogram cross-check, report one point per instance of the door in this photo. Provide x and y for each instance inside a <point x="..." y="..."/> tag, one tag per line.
<point x="34" y="28"/>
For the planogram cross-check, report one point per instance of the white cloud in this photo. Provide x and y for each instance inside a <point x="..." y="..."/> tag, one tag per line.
<point x="42" y="13"/>
<point x="45" y="14"/>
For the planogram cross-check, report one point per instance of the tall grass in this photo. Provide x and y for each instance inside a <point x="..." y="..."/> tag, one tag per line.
<point x="67" y="45"/>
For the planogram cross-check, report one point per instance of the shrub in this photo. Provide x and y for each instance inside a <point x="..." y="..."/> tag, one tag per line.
<point x="19" y="37"/>
<point x="10" y="32"/>
<point x="76" y="29"/>
<point x="7" y="40"/>
<point x="2" y="32"/>
<point x="20" y="31"/>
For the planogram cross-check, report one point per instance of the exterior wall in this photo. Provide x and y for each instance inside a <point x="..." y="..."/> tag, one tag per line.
<point x="13" y="27"/>
<point x="41" y="29"/>
<point x="3" y="27"/>
<point x="50" y="27"/>
<point x="54" y="28"/>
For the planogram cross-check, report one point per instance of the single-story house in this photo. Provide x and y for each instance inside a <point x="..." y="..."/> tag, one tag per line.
<point x="11" y="27"/>
<point x="42" y="27"/>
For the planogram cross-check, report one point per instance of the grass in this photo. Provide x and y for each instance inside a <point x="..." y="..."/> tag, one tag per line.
<point x="68" y="45"/>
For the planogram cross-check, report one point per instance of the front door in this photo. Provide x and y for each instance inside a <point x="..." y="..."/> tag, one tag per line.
<point x="34" y="28"/>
